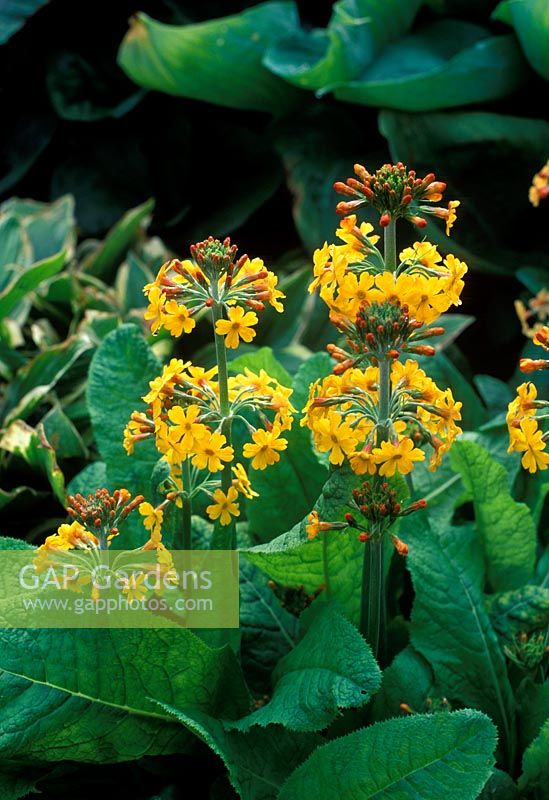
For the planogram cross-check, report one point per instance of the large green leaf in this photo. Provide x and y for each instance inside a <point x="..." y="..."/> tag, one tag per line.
<point x="331" y="668"/>
<point x="525" y="609"/>
<point x="333" y="559"/>
<point x="57" y="704"/>
<point x="448" y="63"/>
<point x="118" y="378"/>
<point x="14" y="14"/>
<point x="535" y="765"/>
<point x="357" y="30"/>
<point x="218" y="61"/>
<point x="530" y="19"/>
<point x="408" y="679"/>
<point x="118" y="241"/>
<point x="506" y="527"/>
<point x="450" y="624"/>
<point x="425" y="756"/>
<point x="258" y="762"/>
<point x="289" y="489"/>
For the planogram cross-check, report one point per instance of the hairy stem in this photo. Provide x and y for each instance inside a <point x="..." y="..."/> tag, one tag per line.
<point x="389" y="246"/>
<point x="187" y="540"/>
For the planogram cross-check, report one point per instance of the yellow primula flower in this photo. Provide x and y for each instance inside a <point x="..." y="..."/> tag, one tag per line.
<point x="452" y="216"/>
<point x="345" y="232"/>
<point x="153" y="517"/>
<point x="155" y="309"/>
<point x="237" y="326"/>
<point x="242" y="483"/>
<point x="186" y="429"/>
<point x="177" y="319"/>
<point x="454" y="284"/>
<point x="532" y="444"/>
<point x="224" y="506"/>
<point x="397" y="456"/>
<point x="266" y="447"/>
<point x="423" y="253"/>
<point x="134" y="588"/>
<point x="431" y="302"/>
<point x="334" y="435"/>
<point x="211" y="451"/>
<point x="363" y="462"/>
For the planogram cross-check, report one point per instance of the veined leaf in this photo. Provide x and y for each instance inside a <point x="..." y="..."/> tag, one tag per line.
<point x="524" y="609"/>
<point x="506" y="527"/>
<point x="530" y="19"/>
<point x="218" y="61"/>
<point x="58" y="705"/>
<point x="331" y="668"/>
<point x="258" y="762"/>
<point x="450" y="625"/>
<point x="420" y="756"/>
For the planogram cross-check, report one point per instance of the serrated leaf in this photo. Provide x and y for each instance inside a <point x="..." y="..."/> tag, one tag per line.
<point x="188" y="60"/>
<point x="331" y="668"/>
<point x="118" y="378"/>
<point x="402" y="758"/>
<point x="530" y="19"/>
<point x="58" y="705"/>
<point x="450" y="625"/>
<point x="257" y="762"/>
<point x="506" y="527"/>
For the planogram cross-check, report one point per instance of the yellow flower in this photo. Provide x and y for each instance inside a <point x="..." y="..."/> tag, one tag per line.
<point x="408" y="375"/>
<point x="224" y="506"/>
<point x="452" y="216"/>
<point x="431" y="301"/>
<point x="313" y="525"/>
<point x="353" y="290"/>
<point x="177" y="319"/>
<point x="134" y="588"/>
<point x="266" y="447"/>
<point x="345" y="232"/>
<point x="363" y="461"/>
<point x="237" y="326"/>
<point x="390" y="289"/>
<point x="532" y="444"/>
<point x="423" y="253"/>
<point x="186" y="429"/>
<point x="395" y="456"/>
<point x="336" y="436"/>
<point x="539" y="189"/>
<point x="454" y="284"/>
<point x="155" y="309"/>
<point x="153" y="517"/>
<point x="242" y="483"/>
<point x="211" y="451"/>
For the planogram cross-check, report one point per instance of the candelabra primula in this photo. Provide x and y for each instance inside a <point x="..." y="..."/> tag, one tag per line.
<point x="190" y="411"/>
<point x="379" y="408"/>
<point x="527" y="413"/>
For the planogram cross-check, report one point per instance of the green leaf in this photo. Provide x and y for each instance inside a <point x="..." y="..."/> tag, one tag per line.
<point x="258" y="360"/>
<point x="499" y="787"/>
<point x="445" y="64"/>
<point x="103" y="261"/>
<point x="530" y="19"/>
<point x="188" y="60"/>
<point x="17" y="783"/>
<point x="14" y="14"/>
<point x="408" y="679"/>
<point x="269" y="632"/>
<point x="331" y="668"/>
<point x="333" y="559"/>
<point x="525" y="609"/>
<point x="450" y="625"/>
<point x="92" y="477"/>
<point x="258" y="762"/>
<point x="357" y="30"/>
<point x="118" y="378"/>
<point x="419" y="756"/>
<point x="445" y="374"/>
<point x="494" y="392"/>
<point x="535" y="763"/>
<point x="32" y="446"/>
<point x="506" y="527"/>
<point x="289" y="489"/>
<point x="533" y="703"/>
<point x="27" y="280"/>
<point x="62" y="434"/>
<point x="57" y="704"/>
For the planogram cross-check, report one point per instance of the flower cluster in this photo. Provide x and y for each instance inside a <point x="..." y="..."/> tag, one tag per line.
<point x="396" y="193"/>
<point x="191" y="411"/>
<point x="213" y="276"/>
<point x="526" y="436"/>
<point x="539" y="189"/>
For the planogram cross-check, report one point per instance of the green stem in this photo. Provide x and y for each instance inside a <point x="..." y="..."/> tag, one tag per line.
<point x="372" y="611"/>
<point x="223" y="377"/>
<point x="187" y="541"/>
<point x="389" y="246"/>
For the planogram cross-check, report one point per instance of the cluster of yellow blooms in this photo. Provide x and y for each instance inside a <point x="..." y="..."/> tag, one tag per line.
<point x="376" y="411"/>
<point x="190" y="410"/>
<point x="525" y="434"/>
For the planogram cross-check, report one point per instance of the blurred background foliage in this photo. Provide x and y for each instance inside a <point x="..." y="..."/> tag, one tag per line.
<point x="139" y="126"/>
